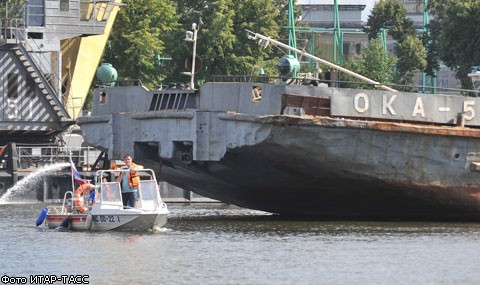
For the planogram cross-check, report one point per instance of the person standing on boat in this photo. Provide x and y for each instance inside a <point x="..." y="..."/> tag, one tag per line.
<point x="108" y="196"/>
<point x="129" y="180"/>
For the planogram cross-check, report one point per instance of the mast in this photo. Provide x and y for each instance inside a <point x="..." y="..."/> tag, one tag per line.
<point x="292" y="39"/>
<point x="337" y="35"/>
<point x="431" y="79"/>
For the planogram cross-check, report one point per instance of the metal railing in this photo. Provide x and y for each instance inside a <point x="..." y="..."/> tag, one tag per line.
<point x="37" y="156"/>
<point x="12" y="17"/>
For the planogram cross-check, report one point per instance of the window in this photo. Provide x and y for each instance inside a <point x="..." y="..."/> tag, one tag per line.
<point x="97" y="10"/>
<point x="30" y="95"/>
<point x="86" y="10"/>
<point x="346" y="49"/>
<point x="35" y="13"/>
<point x="64" y="5"/>
<point x="103" y="98"/>
<point x="12" y="94"/>
<point x="256" y="93"/>
<point x="12" y="86"/>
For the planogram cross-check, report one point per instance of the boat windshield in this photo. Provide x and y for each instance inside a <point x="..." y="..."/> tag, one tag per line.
<point x="110" y="193"/>
<point x="149" y="195"/>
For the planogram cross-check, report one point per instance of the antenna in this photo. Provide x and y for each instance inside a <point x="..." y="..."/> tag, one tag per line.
<point x="191" y="36"/>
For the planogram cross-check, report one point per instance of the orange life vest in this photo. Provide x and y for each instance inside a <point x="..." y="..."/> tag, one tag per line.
<point x="133" y="177"/>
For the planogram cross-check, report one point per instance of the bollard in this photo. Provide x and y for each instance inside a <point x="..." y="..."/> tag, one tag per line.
<point x="461" y="119"/>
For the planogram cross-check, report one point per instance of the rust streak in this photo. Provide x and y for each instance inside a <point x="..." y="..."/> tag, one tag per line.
<point x="380" y="125"/>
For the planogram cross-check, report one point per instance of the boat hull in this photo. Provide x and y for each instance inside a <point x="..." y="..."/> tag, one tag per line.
<point x="335" y="169"/>
<point x="109" y="222"/>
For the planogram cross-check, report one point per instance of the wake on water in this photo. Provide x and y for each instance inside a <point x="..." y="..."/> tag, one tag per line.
<point x="31" y="179"/>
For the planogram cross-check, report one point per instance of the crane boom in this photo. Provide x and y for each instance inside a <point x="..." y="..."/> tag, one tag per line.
<point x="264" y="41"/>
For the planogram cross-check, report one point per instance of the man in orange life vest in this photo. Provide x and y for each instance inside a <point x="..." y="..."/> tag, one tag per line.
<point x="129" y="180"/>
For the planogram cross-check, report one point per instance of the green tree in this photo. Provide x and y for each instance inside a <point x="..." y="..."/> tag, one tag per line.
<point x="409" y="48"/>
<point x="432" y="37"/>
<point x="256" y="16"/>
<point x="138" y="39"/>
<point x="390" y="15"/>
<point x="455" y="42"/>
<point x="431" y="43"/>
<point x="412" y="57"/>
<point x="219" y="38"/>
<point x="222" y="45"/>
<point x="435" y="6"/>
<point x="215" y="38"/>
<point x="374" y="63"/>
<point x="12" y="9"/>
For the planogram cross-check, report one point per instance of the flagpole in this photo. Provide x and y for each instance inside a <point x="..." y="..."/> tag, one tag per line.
<point x="71" y="171"/>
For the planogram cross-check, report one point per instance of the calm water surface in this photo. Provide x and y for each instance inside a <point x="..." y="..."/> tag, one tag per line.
<point x="217" y="244"/>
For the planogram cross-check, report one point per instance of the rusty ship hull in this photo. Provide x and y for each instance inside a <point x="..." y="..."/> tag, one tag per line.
<point x="345" y="169"/>
<point x="303" y="150"/>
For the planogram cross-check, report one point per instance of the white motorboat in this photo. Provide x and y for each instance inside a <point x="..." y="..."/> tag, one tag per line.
<point x="107" y="211"/>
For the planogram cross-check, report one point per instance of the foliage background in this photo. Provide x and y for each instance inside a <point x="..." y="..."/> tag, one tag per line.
<point x="147" y="41"/>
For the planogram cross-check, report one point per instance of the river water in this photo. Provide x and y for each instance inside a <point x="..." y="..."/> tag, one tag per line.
<point x="219" y="244"/>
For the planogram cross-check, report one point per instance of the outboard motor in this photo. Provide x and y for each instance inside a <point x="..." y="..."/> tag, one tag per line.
<point x="64" y="225"/>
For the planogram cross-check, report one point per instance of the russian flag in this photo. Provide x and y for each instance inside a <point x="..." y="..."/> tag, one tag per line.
<point x="76" y="176"/>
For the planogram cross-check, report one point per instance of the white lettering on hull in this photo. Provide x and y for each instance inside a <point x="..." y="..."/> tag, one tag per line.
<point x="361" y="104"/>
<point x="387" y="105"/>
<point x="361" y="108"/>
<point x="418" y="109"/>
<point x="468" y="110"/>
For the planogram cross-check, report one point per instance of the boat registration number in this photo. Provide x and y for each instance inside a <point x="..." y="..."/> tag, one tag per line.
<point x="106" y="219"/>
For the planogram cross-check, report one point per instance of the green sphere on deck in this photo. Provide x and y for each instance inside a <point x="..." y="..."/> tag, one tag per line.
<point x="106" y="73"/>
<point x="288" y="66"/>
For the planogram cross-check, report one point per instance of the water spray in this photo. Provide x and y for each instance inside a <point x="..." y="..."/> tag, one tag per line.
<point x="29" y="180"/>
